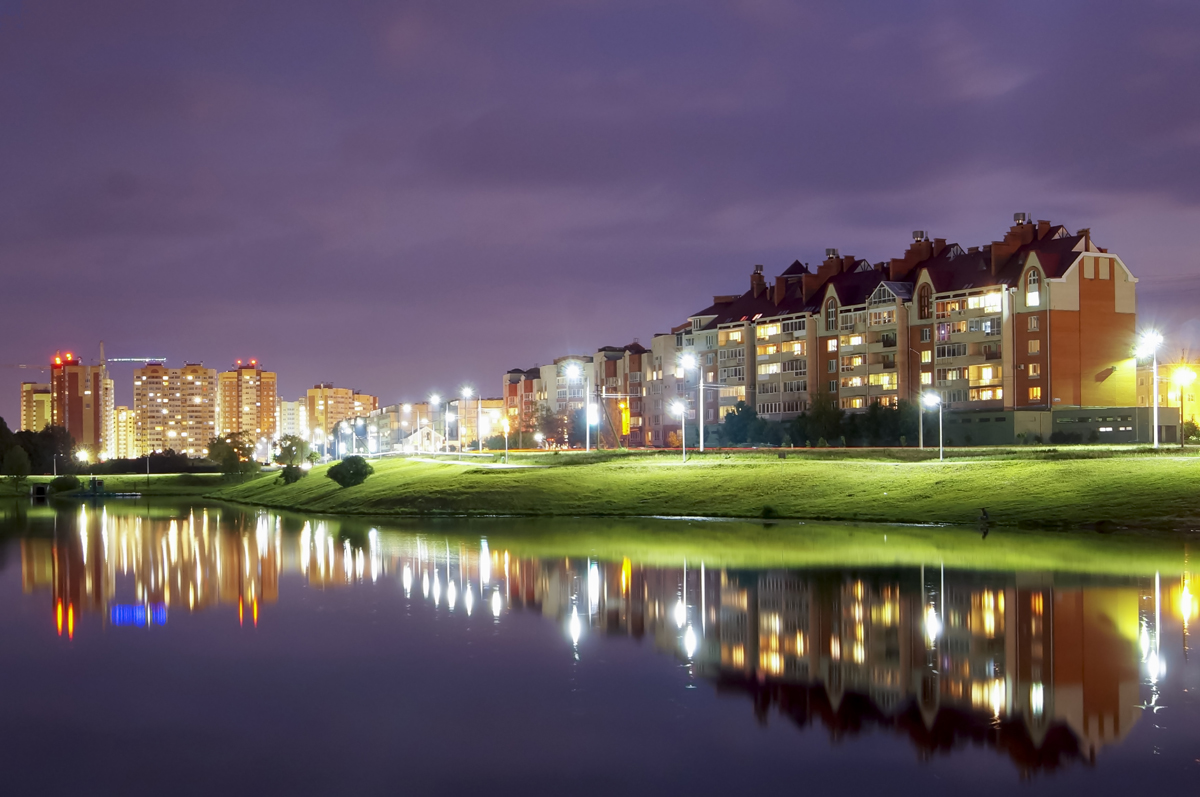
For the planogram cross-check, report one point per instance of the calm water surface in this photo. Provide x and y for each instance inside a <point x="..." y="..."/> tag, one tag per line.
<point x="197" y="650"/>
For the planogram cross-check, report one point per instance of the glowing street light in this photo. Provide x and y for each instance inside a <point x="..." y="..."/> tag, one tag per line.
<point x="680" y="409"/>
<point x="1183" y="377"/>
<point x="1148" y="347"/>
<point x="932" y="400"/>
<point x="507" y="428"/>
<point x="538" y="437"/>
<point x="574" y="371"/>
<point x="466" y="394"/>
<point x="82" y="455"/>
<point x="688" y="361"/>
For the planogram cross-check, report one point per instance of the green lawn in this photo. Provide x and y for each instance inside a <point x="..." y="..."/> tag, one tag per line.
<point x="1157" y="491"/>
<point x="166" y="484"/>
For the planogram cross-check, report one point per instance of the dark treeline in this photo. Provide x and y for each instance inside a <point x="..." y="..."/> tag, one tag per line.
<point x="824" y="424"/>
<point x="42" y="448"/>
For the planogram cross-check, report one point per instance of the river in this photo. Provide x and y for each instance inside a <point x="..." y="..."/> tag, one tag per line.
<point x="183" y="648"/>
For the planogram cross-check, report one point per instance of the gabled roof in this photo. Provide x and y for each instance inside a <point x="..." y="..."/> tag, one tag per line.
<point x="745" y="308"/>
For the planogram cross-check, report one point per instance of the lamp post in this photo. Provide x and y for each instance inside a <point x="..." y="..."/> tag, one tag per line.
<point x="434" y="401"/>
<point x="575" y="371"/>
<point x="466" y="394"/>
<point x="1183" y="377"/>
<point x="689" y="361"/>
<point x="1149" y="346"/>
<point x="680" y="409"/>
<point x="931" y="400"/>
<point x="538" y="437"/>
<point x="506" y="430"/>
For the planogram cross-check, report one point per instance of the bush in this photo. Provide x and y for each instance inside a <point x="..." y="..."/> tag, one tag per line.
<point x="294" y="473"/>
<point x="1066" y="438"/>
<point x="351" y="471"/>
<point x="62" y="484"/>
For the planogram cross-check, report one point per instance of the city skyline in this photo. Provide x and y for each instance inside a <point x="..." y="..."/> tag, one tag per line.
<point x="550" y="179"/>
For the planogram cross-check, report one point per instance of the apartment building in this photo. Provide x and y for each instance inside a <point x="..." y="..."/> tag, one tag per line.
<point x="35" y="407"/>
<point x="292" y="418"/>
<point x="124" y="445"/>
<point x="1040" y="320"/>
<point x="1171" y="391"/>
<point x="620" y="379"/>
<point x="174" y="408"/>
<point x="246" y="398"/>
<point x="662" y="387"/>
<point x="81" y="401"/>
<point x="523" y="397"/>
<point x="473" y="418"/>
<point x="327" y="405"/>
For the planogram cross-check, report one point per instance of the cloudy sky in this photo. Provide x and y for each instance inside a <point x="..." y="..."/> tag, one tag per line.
<point x="409" y="196"/>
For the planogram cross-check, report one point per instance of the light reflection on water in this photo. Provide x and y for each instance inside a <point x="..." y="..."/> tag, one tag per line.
<point x="1044" y="671"/>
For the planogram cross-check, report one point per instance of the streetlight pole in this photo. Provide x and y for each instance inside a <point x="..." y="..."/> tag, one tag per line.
<point x="688" y="361"/>
<point x="479" y="423"/>
<point x="1149" y="345"/>
<point x="681" y="408"/>
<point x="1183" y="377"/>
<point x="929" y="400"/>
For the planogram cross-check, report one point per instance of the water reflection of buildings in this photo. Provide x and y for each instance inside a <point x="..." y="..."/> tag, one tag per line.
<point x="1041" y="669"/>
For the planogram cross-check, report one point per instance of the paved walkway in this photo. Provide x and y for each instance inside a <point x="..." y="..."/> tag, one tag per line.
<point x="470" y="464"/>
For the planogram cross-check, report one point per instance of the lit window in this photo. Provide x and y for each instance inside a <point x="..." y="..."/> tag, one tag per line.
<point x="1035" y="346"/>
<point x="1035" y="394"/>
<point x="831" y="315"/>
<point x="1035" y="370"/>
<point x="1033" y="323"/>
<point x="927" y="356"/>
<point x="831" y="344"/>
<point x="1033" y="283"/>
<point x="926" y="377"/>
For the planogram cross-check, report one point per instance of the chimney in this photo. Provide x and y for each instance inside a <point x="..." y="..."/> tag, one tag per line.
<point x="1018" y="235"/>
<point x="1086" y="234"/>
<point x="1043" y="228"/>
<point x="919" y="250"/>
<point x="780" y="290"/>
<point x="939" y="246"/>
<point x="758" y="283"/>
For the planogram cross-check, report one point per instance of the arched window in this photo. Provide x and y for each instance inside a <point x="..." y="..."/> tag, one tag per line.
<point x="1033" y="284"/>
<point x="925" y="301"/>
<point x="831" y="309"/>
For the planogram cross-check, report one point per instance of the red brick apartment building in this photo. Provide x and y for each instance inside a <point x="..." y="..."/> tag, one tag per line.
<point x="1041" y="320"/>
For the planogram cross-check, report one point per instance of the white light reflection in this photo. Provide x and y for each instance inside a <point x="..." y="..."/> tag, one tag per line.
<point x="680" y="613"/>
<point x="468" y="599"/>
<point x="689" y="642"/>
<point x="437" y="588"/>
<point x="451" y="594"/>
<point x="575" y="627"/>
<point x="406" y="580"/>
<point x="933" y="625"/>
<point x="485" y="563"/>
<point x="496" y="603"/>
<point x="425" y="584"/>
<point x="593" y="589"/>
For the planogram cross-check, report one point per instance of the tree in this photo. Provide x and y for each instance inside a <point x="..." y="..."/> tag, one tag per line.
<point x="234" y="453"/>
<point x="825" y="417"/>
<point x="739" y="422"/>
<point x="293" y="450"/>
<point x="16" y="466"/>
<point x="351" y="471"/>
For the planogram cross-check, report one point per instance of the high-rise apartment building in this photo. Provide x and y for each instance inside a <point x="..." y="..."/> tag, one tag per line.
<point x="35" y="406"/>
<point x="293" y="418"/>
<point x="174" y="408"/>
<point x="81" y="401"/>
<point x="327" y="405"/>
<point x="124" y="445"/>
<point x="246" y="398"/>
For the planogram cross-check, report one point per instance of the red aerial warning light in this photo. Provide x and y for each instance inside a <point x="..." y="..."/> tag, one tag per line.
<point x="254" y="362"/>
<point x="68" y="356"/>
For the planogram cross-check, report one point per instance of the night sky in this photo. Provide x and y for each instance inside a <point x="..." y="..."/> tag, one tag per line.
<point x="406" y="197"/>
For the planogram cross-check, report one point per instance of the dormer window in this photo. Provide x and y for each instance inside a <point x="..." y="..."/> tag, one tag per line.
<point x="831" y="315"/>
<point x="925" y="301"/>
<point x="1033" y="285"/>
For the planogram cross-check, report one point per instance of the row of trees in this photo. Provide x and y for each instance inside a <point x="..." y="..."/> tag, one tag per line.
<point x="23" y="453"/>
<point x="824" y="423"/>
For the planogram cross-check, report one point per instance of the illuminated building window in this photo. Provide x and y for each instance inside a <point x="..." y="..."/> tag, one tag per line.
<point x="1035" y="394"/>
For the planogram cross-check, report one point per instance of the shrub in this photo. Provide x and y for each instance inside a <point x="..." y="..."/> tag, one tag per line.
<point x="294" y="473"/>
<point x="62" y="484"/>
<point x="822" y="443"/>
<point x="351" y="471"/>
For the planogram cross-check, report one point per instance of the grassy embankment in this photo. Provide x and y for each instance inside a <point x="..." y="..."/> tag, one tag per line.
<point x="1141" y="491"/>
<point x="165" y="484"/>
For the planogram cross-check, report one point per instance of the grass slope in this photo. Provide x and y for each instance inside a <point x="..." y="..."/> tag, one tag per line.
<point x="165" y="484"/>
<point x="1149" y="491"/>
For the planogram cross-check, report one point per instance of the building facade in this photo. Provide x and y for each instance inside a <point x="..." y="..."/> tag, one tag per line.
<point x="175" y="409"/>
<point x="327" y="405"/>
<point x="125" y="445"/>
<point x="292" y="419"/>
<point x="81" y="401"/>
<point x="246" y="399"/>
<point x="35" y="406"/>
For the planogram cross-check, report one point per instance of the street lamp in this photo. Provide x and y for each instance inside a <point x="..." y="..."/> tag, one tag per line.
<point x="689" y="361"/>
<point x="680" y="409"/>
<point x="434" y="401"/>
<point x="932" y="400"/>
<point x="1183" y="377"/>
<point x="574" y="371"/>
<point x="466" y="394"/>
<point x="538" y="437"/>
<point x="1148" y="347"/>
<point x="506" y="430"/>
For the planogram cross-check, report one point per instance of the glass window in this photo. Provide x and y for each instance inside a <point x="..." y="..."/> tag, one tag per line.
<point x="1035" y="346"/>
<point x="831" y="312"/>
<point x="925" y="301"/>
<point x="1035" y="394"/>
<point x="1033" y="283"/>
